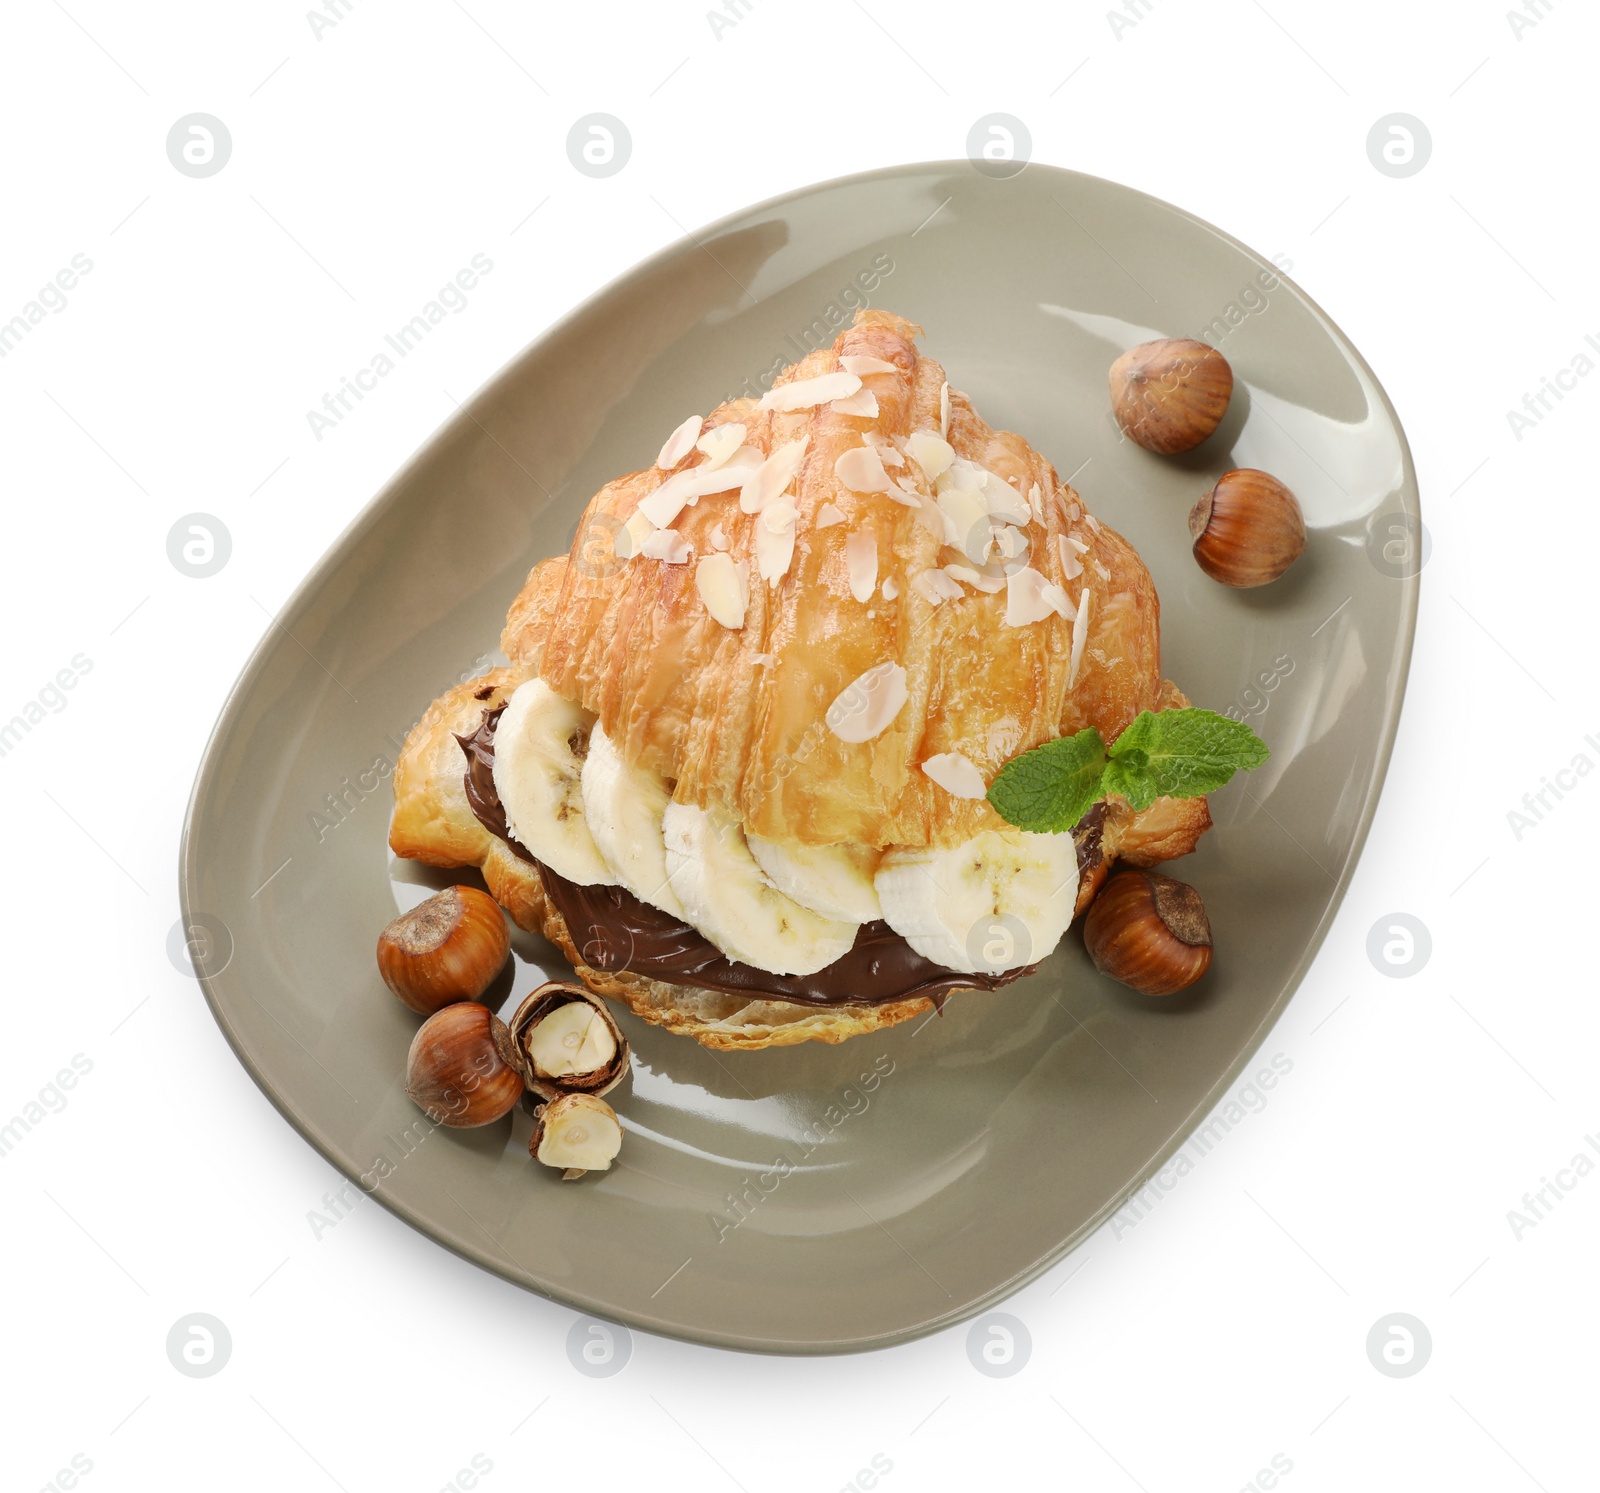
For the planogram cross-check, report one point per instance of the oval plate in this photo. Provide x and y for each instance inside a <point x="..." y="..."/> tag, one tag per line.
<point x="823" y="1199"/>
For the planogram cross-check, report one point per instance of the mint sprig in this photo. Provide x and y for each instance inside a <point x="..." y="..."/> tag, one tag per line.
<point x="1162" y="754"/>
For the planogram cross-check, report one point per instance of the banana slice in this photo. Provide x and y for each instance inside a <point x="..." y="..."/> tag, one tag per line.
<point x="834" y="880"/>
<point x="539" y="747"/>
<point x="1000" y="900"/>
<point x="727" y="898"/>
<point x="624" y="805"/>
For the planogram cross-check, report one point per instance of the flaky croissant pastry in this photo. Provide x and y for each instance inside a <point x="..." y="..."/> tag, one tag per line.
<point x="735" y="766"/>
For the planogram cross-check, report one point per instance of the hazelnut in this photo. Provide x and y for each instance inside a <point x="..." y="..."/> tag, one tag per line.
<point x="1171" y="394"/>
<point x="444" y="950"/>
<point x="1248" y="529"/>
<point x="1150" y="932"/>
<point x="566" y="1041"/>
<point x="460" y="1070"/>
<point x="578" y="1133"/>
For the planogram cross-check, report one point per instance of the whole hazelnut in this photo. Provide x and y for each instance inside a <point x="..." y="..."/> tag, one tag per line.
<point x="1171" y="394"/>
<point x="460" y="1069"/>
<point x="444" y="950"/>
<point x="1149" y="932"/>
<point x="1248" y="529"/>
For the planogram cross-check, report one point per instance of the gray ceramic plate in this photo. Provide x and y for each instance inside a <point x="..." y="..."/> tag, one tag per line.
<point x="933" y="1170"/>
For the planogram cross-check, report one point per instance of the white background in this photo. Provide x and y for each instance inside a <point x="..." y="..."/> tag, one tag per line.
<point x="369" y="164"/>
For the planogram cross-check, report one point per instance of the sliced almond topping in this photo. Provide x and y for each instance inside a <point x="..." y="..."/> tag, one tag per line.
<point x="1030" y="597"/>
<point x="1010" y="544"/>
<point x="1036" y="502"/>
<point x="719" y="537"/>
<point x="775" y="540"/>
<point x="668" y="545"/>
<point x="904" y="493"/>
<point x="930" y="452"/>
<point x="1080" y="636"/>
<point x="923" y="585"/>
<point x="663" y="505"/>
<point x="966" y="523"/>
<point x="1071" y="565"/>
<point x="764" y="660"/>
<point x="720" y="442"/>
<point x="859" y="363"/>
<point x="802" y="393"/>
<point x="772" y="477"/>
<point x="627" y="540"/>
<point x="722" y="589"/>
<point x="863" y="403"/>
<point x="989" y="584"/>
<point x="860" y="470"/>
<point x="944" y="411"/>
<point x="861" y="560"/>
<point x="828" y="515"/>
<point x="1004" y="501"/>
<point x="890" y="588"/>
<point x="680" y="443"/>
<point x="956" y="774"/>
<point x="864" y="709"/>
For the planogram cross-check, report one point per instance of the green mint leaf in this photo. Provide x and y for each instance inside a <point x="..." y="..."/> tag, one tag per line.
<point x="1180" y="754"/>
<point x="1049" y="789"/>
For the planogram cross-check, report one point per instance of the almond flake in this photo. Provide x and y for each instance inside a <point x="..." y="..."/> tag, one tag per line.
<point x="667" y="545"/>
<point x="863" y="710"/>
<point x="720" y="442"/>
<point x="1036" y="502"/>
<point x="1005" y="502"/>
<point x="859" y="363"/>
<point x="956" y="774"/>
<point x="828" y="515"/>
<point x="663" y="505"/>
<point x="1071" y="565"/>
<point x="772" y="477"/>
<point x="803" y="393"/>
<point x="719" y="537"/>
<point x="1032" y="598"/>
<point x="861" y="560"/>
<point x="890" y="588"/>
<point x="966" y="523"/>
<point x="1077" y="544"/>
<point x="925" y="588"/>
<point x="904" y="493"/>
<point x="625" y="544"/>
<point x="775" y="541"/>
<point x="764" y="660"/>
<point x="930" y="452"/>
<point x="1010" y="544"/>
<point x="680" y="443"/>
<point x="944" y="411"/>
<point x="861" y="470"/>
<point x="1080" y="636"/>
<point x="722" y="589"/>
<point x="863" y="404"/>
<point x="989" y="584"/>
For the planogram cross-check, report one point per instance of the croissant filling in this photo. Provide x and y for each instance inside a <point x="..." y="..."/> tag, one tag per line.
<point x="614" y="929"/>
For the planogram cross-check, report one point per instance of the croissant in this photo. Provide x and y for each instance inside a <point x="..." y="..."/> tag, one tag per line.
<point x="818" y="625"/>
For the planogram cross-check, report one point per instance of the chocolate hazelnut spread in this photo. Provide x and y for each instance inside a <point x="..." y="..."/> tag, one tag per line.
<point x="614" y="930"/>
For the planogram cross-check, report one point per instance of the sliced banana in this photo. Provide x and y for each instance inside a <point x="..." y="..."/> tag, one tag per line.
<point x="1000" y="900"/>
<point x="539" y="746"/>
<point x="727" y="898"/>
<point x="623" y="804"/>
<point x="834" y="880"/>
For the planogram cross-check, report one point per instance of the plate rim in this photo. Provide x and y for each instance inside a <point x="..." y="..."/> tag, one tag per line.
<point x="1409" y="498"/>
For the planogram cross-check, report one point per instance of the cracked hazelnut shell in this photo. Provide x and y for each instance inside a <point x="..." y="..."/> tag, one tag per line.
<point x="577" y="1133"/>
<point x="565" y="1040"/>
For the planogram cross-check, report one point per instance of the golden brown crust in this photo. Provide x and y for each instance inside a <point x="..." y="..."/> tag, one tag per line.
<point x="737" y="717"/>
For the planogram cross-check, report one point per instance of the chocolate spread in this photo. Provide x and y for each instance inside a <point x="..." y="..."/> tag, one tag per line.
<point x="614" y="930"/>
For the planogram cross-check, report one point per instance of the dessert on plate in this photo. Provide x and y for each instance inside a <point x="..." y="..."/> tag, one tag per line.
<point x="736" y="766"/>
